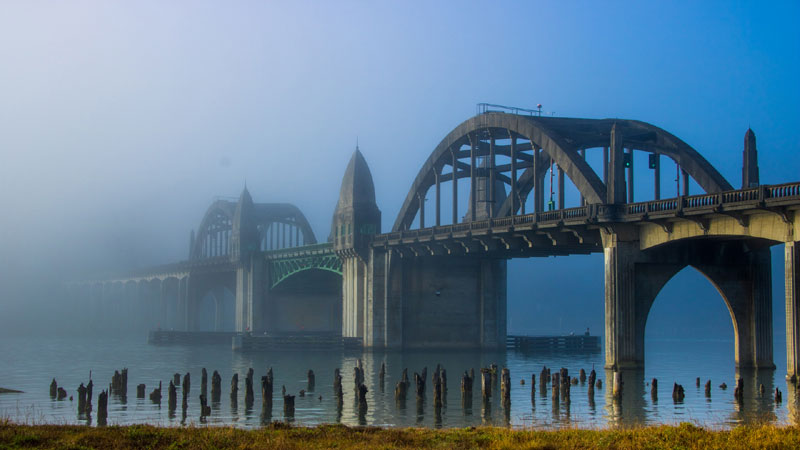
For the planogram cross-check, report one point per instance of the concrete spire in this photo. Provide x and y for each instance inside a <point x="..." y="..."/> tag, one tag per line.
<point x="244" y="232"/>
<point x="357" y="216"/>
<point x="749" y="161"/>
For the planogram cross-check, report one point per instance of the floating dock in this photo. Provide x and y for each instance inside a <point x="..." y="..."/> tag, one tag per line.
<point x="167" y="337"/>
<point x="545" y="344"/>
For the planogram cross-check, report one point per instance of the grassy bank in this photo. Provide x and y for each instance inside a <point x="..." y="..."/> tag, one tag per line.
<point x="333" y="436"/>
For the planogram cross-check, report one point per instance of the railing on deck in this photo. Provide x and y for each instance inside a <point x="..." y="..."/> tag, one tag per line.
<point x="697" y="203"/>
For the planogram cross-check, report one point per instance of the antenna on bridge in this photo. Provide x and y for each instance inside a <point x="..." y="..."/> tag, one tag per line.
<point x="483" y="108"/>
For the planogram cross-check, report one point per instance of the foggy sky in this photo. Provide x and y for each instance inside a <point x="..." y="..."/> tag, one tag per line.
<point x="121" y="121"/>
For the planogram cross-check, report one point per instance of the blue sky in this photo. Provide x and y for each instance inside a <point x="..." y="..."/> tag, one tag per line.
<point x="120" y="121"/>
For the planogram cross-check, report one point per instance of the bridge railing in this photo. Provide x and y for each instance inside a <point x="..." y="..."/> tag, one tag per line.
<point x="697" y="203"/>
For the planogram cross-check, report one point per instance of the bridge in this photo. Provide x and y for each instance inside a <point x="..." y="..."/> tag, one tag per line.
<point x="442" y="282"/>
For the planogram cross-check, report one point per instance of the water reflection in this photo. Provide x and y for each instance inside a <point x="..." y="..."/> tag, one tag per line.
<point x="530" y="404"/>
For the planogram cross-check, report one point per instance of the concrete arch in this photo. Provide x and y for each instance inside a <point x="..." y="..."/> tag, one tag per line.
<point x="767" y="226"/>
<point x="656" y="280"/>
<point x="560" y="139"/>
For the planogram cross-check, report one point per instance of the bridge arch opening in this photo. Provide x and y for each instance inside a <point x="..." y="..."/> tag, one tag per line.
<point x="308" y="301"/>
<point x="216" y="310"/>
<point x="687" y="325"/>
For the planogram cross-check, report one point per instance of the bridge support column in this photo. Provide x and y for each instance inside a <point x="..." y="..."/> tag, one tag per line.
<point x="792" y="278"/>
<point x="354" y="284"/>
<point x="740" y="271"/>
<point x="250" y="296"/>
<point x="624" y="337"/>
<point x="384" y="305"/>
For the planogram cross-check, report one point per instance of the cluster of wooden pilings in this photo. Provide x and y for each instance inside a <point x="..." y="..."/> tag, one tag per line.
<point x="492" y="379"/>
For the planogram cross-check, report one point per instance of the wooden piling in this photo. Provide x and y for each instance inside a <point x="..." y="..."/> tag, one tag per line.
<point x="204" y="382"/>
<point x="102" y="407"/>
<point x="81" y="399"/>
<point x="176" y="379"/>
<point x="172" y="396"/>
<point x="234" y="386"/>
<point x="216" y="387"/>
<point x="617" y="388"/>
<point x="738" y="392"/>
<point x="311" y="381"/>
<point x="288" y="406"/>
<point x="505" y="387"/>
<point x="678" y="392"/>
<point x="582" y="376"/>
<point x="486" y="383"/>
<point x="53" y="388"/>
<point x="155" y="396"/>
<point x="337" y="384"/>
<point x="708" y="388"/>
<point x="382" y="375"/>
<point x="654" y="390"/>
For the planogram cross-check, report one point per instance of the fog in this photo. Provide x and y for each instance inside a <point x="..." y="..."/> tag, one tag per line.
<point x="120" y="122"/>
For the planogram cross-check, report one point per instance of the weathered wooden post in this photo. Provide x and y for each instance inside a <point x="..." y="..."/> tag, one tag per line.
<point x="505" y="388"/>
<point x="738" y="392"/>
<point x="419" y="383"/>
<point x="204" y="382"/>
<point x="266" y="394"/>
<point x="62" y="394"/>
<point x="124" y="382"/>
<point x="582" y="376"/>
<point x="187" y="383"/>
<point x="697" y="382"/>
<point x="53" y="388"/>
<point x="654" y="390"/>
<point x="89" y="388"/>
<point x="708" y="388"/>
<point x="617" y="389"/>
<point x="288" y="406"/>
<point x="678" y="393"/>
<point x="555" y="385"/>
<point x="443" y="379"/>
<point x="248" y="388"/>
<point x="172" y="396"/>
<point x="216" y="387"/>
<point x="362" y="397"/>
<point x="155" y="396"/>
<point x="81" y="399"/>
<point x="176" y="379"/>
<point x="205" y="410"/>
<point x="235" y="386"/>
<point x="761" y="390"/>
<point x="533" y="389"/>
<point x="102" y="408"/>
<point x="486" y="383"/>
<point x="140" y="390"/>
<point x="337" y="384"/>
<point x="466" y="387"/>
<point x="382" y="376"/>
<point x="437" y="390"/>
<point x="778" y="396"/>
<point x="312" y="381"/>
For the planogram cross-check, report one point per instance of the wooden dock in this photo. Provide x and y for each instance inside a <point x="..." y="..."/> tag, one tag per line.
<point x="545" y="344"/>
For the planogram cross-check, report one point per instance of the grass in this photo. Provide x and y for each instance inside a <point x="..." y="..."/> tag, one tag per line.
<point x="683" y="436"/>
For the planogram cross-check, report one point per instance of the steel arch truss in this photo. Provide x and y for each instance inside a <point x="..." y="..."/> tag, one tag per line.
<point x="281" y="269"/>
<point x="280" y="225"/>
<point x="532" y="145"/>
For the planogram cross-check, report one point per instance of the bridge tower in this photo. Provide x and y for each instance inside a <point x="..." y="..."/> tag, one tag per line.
<point x="749" y="161"/>
<point x="250" y="272"/>
<point x="355" y="220"/>
<point x="740" y="269"/>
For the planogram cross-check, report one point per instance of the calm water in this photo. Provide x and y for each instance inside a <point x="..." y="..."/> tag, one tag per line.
<point x="28" y="364"/>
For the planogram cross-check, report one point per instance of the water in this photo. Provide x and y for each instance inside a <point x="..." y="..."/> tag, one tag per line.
<point x="29" y="364"/>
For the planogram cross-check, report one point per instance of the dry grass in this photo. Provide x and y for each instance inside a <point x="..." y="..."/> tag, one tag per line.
<point x="280" y="436"/>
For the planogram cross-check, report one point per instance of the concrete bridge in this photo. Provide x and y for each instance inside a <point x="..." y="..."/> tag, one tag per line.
<point x="442" y="282"/>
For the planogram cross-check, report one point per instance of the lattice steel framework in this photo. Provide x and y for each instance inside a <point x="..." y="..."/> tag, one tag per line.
<point x="281" y="269"/>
